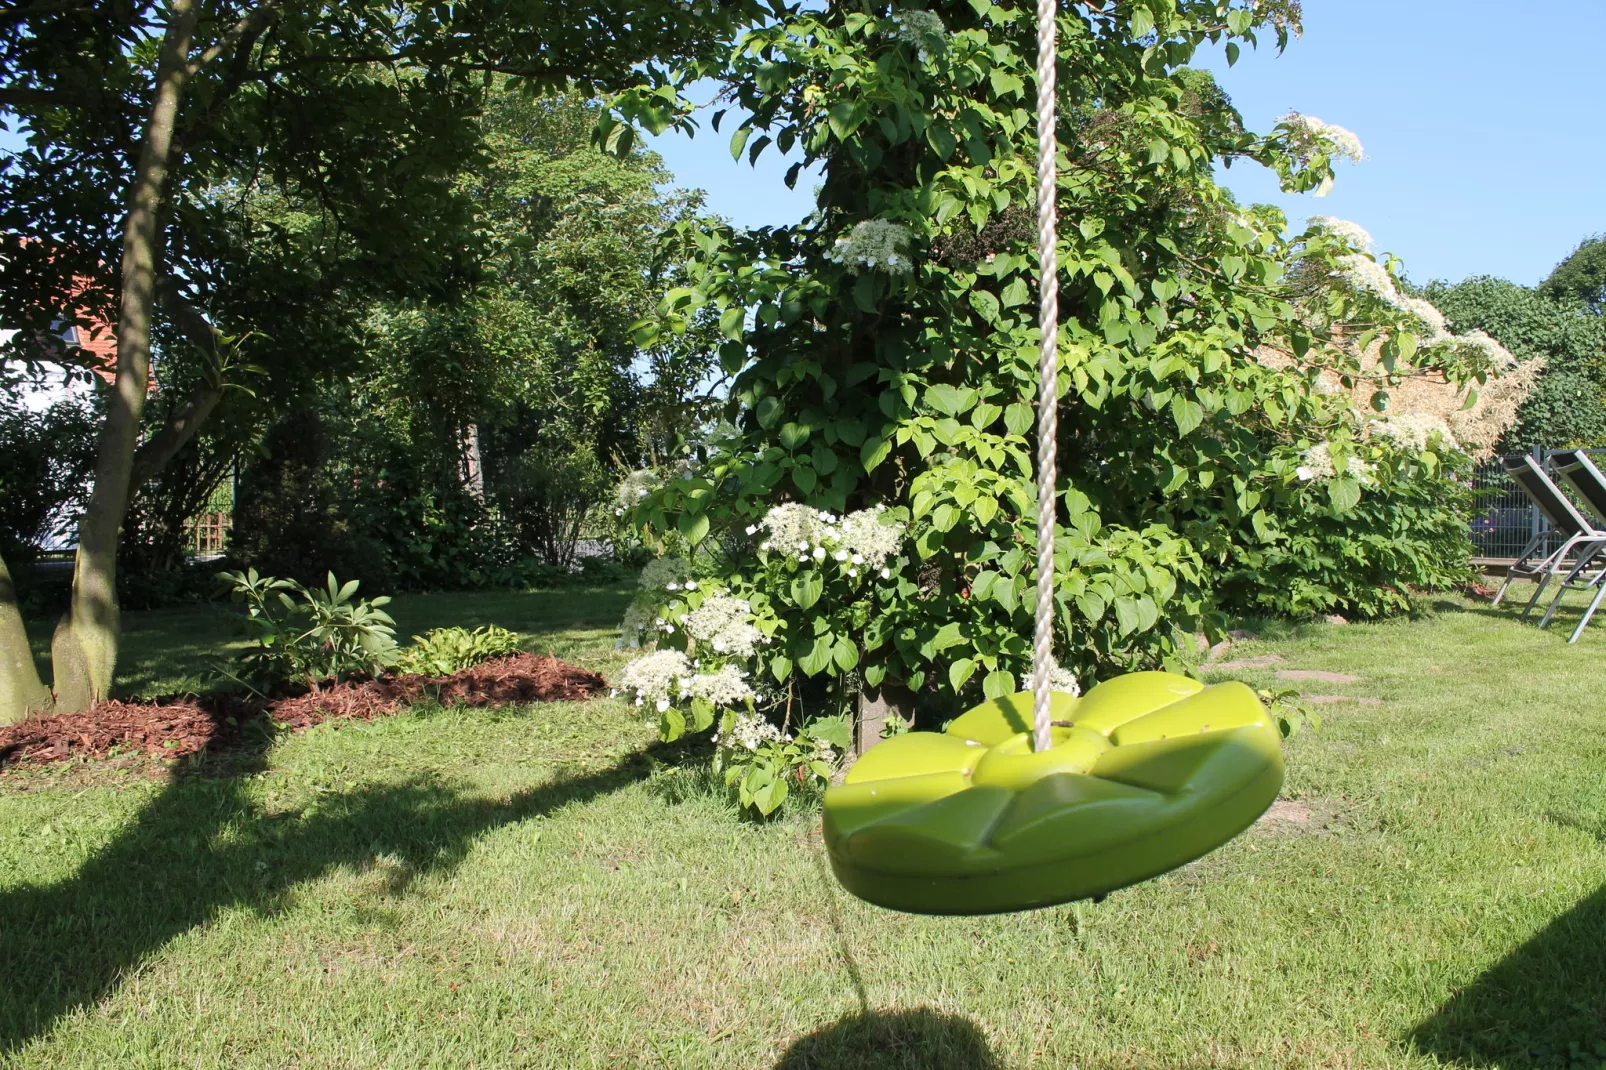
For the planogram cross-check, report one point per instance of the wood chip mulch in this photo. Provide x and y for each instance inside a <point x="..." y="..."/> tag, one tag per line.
<point x="179" y="726"/>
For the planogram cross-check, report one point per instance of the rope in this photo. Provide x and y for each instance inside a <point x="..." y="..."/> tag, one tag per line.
<point x="1048" y="314"/>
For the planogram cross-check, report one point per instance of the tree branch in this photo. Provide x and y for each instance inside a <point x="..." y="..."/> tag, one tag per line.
<point x="251" y="24"/>
<point x="153" y="455"/>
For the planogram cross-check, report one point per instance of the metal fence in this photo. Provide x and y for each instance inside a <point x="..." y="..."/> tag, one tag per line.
<point x="1503" y="519"/>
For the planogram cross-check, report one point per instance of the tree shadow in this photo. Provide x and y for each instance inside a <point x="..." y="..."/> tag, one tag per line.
<point x="922" y="1039"/>
<point x="204" y="845"/>
<point x="1542" y="1006"/>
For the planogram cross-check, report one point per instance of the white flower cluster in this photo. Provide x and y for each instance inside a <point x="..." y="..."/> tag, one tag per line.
<point x="725" y="624"/>
<point x="1319" y="464"/>
<point x="1413" y="430"/>
<point x="923" y="29"/>
<point x="634" y="487"/>
<point x="1058" y="680"/>
<point x="656" y="677"/>
<point x="725" y="686"/>
<point x="1311" y="133"/>
<point x="875" y="243"/>
<point x="1495" y="353"/>
<point x="859" y="542"/>
<point x="749" y="732"/>
<point x="1353" y="233"/>
<point x="1361" y="272"/>
<point x="665" y="677"/>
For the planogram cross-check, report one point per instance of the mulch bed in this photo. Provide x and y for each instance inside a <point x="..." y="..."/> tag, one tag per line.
<point x="178" y="726"/>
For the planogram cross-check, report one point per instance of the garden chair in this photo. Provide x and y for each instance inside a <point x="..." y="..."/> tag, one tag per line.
<point x="1572" y="533"/>
<point x="1574" y="468"/>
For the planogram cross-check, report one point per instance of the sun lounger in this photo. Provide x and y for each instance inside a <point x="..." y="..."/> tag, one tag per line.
<point x="1574" y="468"/>
<point x="1572" y="543"/>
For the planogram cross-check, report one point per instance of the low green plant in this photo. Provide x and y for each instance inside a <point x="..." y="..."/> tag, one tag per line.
<point x="1292" y="712"/>
<point x="307" y="634"/>
<point x="443" y="651"/>
<point x="764" y="763"/>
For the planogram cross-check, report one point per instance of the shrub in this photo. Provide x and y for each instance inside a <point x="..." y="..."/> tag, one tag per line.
<point x="443" y="651"/>
<point x="309" y="635"/>
<point x="763" y="763"/>
<point x="1352" y="529"/>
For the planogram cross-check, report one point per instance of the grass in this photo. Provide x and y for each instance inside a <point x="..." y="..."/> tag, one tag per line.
<point x="536" y="888"/>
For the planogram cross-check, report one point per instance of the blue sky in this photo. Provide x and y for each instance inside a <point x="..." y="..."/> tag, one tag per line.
<point x="1486" y="151"/>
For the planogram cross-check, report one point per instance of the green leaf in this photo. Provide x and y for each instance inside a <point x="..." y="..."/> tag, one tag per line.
<point x="780" y="667"/>
<point x="845" y="654"/>
<point x="1344" y="492"/>
<point x="807" y="588"/>
<point x="1019" y="418"/>
<point x="948" y="635"/>
<point x="771" y="797"/>
<point x="818" y="657"/>
<point x="1188" y="414"/>
<point x="793" y="436"/>
<point x="769" y="410"/>
<point x="805" y="478"/>
<point x="694" y="526"/>
<point x="998" y="684"/>
<point x="1142" y="21"/>
<point x="959" y="672"/>
<point x="873" y="452"/>
<point x="739" y="141"/>
<point x="950" y="400"/>
<point x="671" y="725"/>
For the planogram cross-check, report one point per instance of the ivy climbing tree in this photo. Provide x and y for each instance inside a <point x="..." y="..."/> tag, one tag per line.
<point x="884" y="348"/>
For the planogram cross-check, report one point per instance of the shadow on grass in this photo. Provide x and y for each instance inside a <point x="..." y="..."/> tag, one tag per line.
<point x="204" y="845"/>
<point x="1542" y="1006"/>
<point x="921" y="1039"/>
<point x="1516" y="601"/>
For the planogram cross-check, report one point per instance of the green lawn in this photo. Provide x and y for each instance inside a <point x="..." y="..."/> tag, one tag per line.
<point x="536" y="888"/>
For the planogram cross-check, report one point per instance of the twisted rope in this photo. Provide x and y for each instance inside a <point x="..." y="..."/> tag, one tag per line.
<point x="1048" y="314"/>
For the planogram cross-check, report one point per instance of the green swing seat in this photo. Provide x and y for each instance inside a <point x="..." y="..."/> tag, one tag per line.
<point x="1155" y="770"/>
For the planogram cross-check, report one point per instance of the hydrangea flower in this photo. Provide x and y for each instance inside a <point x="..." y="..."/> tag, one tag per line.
<point x="921" y="28"/>
<point x="1353" y="233"/>
<point x="859" y="541"/>
<point x="878" y="244"/>
<point x="748" y="732"/>
<point x="657" y="677"/>
<point x="1311" y="135"/>
<point x="1318" y="464"/>
<point x="634" y="487"/>
<point x="725" y="624"/>
<point x="1413" y="430"/>
<point x="1058" y="680"/>
<point x="726" y="686"/>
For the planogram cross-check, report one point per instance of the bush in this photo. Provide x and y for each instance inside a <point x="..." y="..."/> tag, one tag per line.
<point x="46" y="458"/>
<point x="443" y="651"/>
<point x="1322" y="550"/>
<point x="308" y="635"/>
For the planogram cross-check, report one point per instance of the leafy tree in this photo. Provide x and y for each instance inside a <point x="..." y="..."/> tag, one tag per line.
<point x="1581" y="278"/>
<point x="884" y="349"/>
<point x="1567" y="406"/>
<point x="136" y="113"/>
<point x="536" y="366"/>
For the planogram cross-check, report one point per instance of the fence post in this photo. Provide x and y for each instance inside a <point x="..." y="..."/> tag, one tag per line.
<point x="1540" y="456"/>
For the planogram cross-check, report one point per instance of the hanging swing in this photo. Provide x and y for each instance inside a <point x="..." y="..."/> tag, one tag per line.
<point x="1042" y="798"/>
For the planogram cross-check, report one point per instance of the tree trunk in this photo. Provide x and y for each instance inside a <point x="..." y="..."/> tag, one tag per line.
<point x="875" y="707"/>
<point x="22" y="692"/>
<point x="84" y="649"/>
